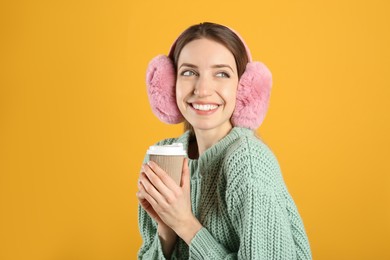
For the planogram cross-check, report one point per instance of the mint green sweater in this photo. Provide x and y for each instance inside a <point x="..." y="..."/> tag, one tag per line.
<point x="239" y="196"/>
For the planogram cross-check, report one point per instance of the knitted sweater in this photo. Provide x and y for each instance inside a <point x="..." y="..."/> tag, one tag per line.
<point x="239" y="196"/>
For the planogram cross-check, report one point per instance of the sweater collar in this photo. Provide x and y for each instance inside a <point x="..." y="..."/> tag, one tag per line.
<point x="218" y="148"/>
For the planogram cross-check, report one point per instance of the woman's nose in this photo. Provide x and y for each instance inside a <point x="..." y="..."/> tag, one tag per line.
<point x="203" y="87"/>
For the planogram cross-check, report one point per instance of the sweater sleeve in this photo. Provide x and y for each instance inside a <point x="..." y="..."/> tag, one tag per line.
<point x="262" y="224"/>
<point x="204" y="246"/>
<point x="262" y="211"/>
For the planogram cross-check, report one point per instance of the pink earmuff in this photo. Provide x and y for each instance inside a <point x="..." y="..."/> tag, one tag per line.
<point x="253" y="91"/>
<point x="161" y="81"/>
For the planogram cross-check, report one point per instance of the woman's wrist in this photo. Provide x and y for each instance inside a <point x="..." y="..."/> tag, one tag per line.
<point x="188" y="231"/>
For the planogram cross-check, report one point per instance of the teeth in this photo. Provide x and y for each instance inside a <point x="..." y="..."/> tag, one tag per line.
<point x="206" y="107"/>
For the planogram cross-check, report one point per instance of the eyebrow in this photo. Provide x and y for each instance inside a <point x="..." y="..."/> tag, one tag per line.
<point x="214" y="66"/>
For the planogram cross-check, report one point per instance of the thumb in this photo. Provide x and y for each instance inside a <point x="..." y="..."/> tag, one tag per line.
<point x="185" y="175"/>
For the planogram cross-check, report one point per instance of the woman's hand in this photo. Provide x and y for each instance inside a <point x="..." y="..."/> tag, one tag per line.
<point x="167" y="236"/>
<point x="146" y="205"/>
<point x="166" y="202"/>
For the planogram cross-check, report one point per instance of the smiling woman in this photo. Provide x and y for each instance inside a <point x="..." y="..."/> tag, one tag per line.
<point x="232" y="201"/>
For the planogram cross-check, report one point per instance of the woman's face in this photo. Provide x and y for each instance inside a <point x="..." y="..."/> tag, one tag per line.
<point x="206" y="85"/>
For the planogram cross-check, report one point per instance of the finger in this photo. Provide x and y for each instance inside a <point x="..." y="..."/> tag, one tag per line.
<point x="142" y="201"/>
<point x="165" y="178"/>
<point x="162" y="181"/>
<point x="185" y="177"/>
<point x="148" y="208"/>
<point x="162" y="194"/>
<point x="150" y="191"/>
<point x="141" y="190"/>
<point x="140" y="196"/>
<point x="148" y="199"/>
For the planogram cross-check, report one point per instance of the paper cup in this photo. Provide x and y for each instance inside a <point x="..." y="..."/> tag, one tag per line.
<point x="169" y="158"/>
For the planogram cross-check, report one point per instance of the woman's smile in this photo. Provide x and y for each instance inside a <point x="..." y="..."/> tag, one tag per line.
<point x="204" y="109"/>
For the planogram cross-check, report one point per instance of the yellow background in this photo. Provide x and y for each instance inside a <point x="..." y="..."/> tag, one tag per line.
<point x="75" y="120"/>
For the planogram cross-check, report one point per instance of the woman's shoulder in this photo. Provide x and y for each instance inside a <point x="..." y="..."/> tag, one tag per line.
<point x="249" y="159"/>
<point x="250" y="147"/>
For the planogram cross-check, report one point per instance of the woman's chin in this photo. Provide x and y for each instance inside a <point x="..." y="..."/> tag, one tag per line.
<point x="210" y="126"/>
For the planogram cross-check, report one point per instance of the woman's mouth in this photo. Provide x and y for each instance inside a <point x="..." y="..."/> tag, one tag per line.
<point x="204" y="109"/>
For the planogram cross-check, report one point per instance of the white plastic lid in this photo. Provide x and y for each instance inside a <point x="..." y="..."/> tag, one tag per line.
<point x="171" y="149"/>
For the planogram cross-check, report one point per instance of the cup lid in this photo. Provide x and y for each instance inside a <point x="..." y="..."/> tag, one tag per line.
<point x="170" y="149"/>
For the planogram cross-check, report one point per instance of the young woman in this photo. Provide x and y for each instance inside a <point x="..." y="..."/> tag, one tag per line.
<point x="232" y="202"/>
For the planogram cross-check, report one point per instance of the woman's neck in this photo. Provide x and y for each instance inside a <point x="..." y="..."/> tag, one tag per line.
<point x="207" y="138"/>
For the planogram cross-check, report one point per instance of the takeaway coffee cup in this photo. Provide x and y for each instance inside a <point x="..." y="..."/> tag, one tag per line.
<point x="170" y="158"/>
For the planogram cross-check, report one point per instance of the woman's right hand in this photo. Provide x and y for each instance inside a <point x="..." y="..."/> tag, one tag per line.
<point x="146" y="205"/>
<point x="162" y="227"/>
<point x="167" y="236"/>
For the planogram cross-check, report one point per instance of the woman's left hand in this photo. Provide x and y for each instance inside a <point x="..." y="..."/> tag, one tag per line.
<point x="171" y="202"/>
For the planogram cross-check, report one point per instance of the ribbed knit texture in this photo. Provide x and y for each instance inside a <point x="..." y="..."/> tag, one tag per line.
<point x="239" y="196"/>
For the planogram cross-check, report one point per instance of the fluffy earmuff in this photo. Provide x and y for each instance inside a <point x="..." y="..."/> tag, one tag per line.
<point x="161" y="81"/>
<point x="253" y="92"/>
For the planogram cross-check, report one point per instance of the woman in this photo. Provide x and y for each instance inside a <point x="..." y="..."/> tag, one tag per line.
<point x="232" y="202"/>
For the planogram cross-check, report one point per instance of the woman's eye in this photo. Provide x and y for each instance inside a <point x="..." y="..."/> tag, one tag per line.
<point x="223" y="75"/>
<point x="187" y="73"/>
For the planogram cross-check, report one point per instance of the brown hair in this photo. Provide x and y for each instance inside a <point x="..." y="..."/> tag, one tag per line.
<point x="215" y="32"/>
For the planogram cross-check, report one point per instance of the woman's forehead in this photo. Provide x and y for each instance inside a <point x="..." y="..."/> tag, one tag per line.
<point x="205" y="51"/>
